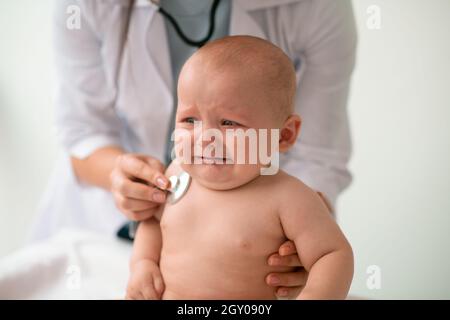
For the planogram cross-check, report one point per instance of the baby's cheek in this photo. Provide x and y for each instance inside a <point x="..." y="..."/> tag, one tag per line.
<point x="244" y="173"/>
<point x="241" y="148"/>
<point x="183" y="144"/>
<point x="189" y="168"/>
<point x="255" y="148"/>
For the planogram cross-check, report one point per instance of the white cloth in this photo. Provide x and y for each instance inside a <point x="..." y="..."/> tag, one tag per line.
<point x="70" y="265"/>
<point x="318" y="35"/>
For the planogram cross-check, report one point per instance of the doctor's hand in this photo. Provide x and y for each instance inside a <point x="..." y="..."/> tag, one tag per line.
<point x="137" y="184"/>
<point x="289" y="284"/>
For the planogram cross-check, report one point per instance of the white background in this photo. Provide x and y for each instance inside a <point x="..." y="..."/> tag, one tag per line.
<point x="397" y="211"/>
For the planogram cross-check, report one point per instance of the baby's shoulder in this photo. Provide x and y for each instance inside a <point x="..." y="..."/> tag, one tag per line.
<point x="285" y="183"/>
<point x="290" y="190"/>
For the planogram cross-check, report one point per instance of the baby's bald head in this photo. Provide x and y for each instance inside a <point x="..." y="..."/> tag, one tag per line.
<point x="255" y="60"/>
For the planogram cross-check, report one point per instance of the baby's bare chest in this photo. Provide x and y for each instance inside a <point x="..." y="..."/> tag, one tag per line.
<point x="231" y="221"/>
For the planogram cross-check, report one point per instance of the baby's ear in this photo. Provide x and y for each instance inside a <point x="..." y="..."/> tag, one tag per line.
<point x="289" y="132"/>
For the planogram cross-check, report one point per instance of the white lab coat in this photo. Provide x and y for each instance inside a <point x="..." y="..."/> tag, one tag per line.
<point x="318" y="35"/>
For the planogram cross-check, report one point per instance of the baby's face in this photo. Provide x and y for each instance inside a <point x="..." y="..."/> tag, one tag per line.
<point x="219" y="104"/>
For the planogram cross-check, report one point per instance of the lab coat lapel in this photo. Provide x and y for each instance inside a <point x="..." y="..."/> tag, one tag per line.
<point x="154" y="58"/>
<point x="150" y="58"/>
<point x="241" y="23"/>
<point x="158" y="49"/>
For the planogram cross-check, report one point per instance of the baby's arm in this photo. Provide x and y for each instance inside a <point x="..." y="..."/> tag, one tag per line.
<point x="147" y="243"/>
<point x="146" y="281"/>
<point x="321" y="245"/>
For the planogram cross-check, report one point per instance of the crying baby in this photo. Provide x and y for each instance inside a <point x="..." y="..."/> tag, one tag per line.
<point x="214" y="240"/>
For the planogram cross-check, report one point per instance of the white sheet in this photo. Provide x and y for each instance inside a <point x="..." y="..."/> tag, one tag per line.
<point x="71" y="265"/>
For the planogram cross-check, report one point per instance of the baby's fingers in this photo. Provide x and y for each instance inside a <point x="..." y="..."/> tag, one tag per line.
<point x="149" y="293"/>
<point x="134" y="295"/>
<point x="158" y="284"/>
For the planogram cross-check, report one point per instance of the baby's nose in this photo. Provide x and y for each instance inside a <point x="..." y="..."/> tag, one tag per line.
<point x="210" y="136"/>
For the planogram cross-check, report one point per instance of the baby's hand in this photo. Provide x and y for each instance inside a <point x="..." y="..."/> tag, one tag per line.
<point x="146" y="282"/>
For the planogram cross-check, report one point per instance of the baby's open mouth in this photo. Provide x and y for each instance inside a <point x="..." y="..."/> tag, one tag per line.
<point x="213" y="160"/>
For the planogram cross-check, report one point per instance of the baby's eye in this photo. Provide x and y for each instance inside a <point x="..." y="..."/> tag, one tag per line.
<point x="189" y="120"/>
<point x="229" y="123"/>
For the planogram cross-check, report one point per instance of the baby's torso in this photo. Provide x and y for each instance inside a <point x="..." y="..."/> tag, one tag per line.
<point x="216" y="243"/>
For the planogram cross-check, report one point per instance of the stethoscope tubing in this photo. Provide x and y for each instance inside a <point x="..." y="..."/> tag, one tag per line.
<point x="179" y="31"/>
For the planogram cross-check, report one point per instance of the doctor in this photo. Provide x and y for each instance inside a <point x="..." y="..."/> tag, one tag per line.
<point x="116" y="98"/>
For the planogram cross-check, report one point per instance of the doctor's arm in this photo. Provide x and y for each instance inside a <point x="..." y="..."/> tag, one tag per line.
<point x="87" y="124"/>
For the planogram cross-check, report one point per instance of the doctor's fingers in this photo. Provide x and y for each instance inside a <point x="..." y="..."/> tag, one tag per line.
<point x="122" y="185"/>
<point x="287" y="279"/>
<point x="140" y="215"/>
<point x="288" y="292"/>
<point x="287" y="248"/>
<point x="128" y="204"/>
<point x="144" y="168"/>
<point x="285" y="261"/>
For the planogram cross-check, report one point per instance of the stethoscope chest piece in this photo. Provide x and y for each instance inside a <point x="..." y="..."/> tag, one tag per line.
<point x="178" y="187"/>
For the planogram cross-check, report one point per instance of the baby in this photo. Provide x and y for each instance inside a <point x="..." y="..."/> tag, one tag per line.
<point x="214" y="242"/>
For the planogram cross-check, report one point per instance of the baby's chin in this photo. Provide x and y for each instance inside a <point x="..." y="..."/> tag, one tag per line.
<point x="221" y="176"/>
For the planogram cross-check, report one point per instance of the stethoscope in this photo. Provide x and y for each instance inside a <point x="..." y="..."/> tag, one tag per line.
<point x="179" y="184"/>
<point x="185" y="38"/>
